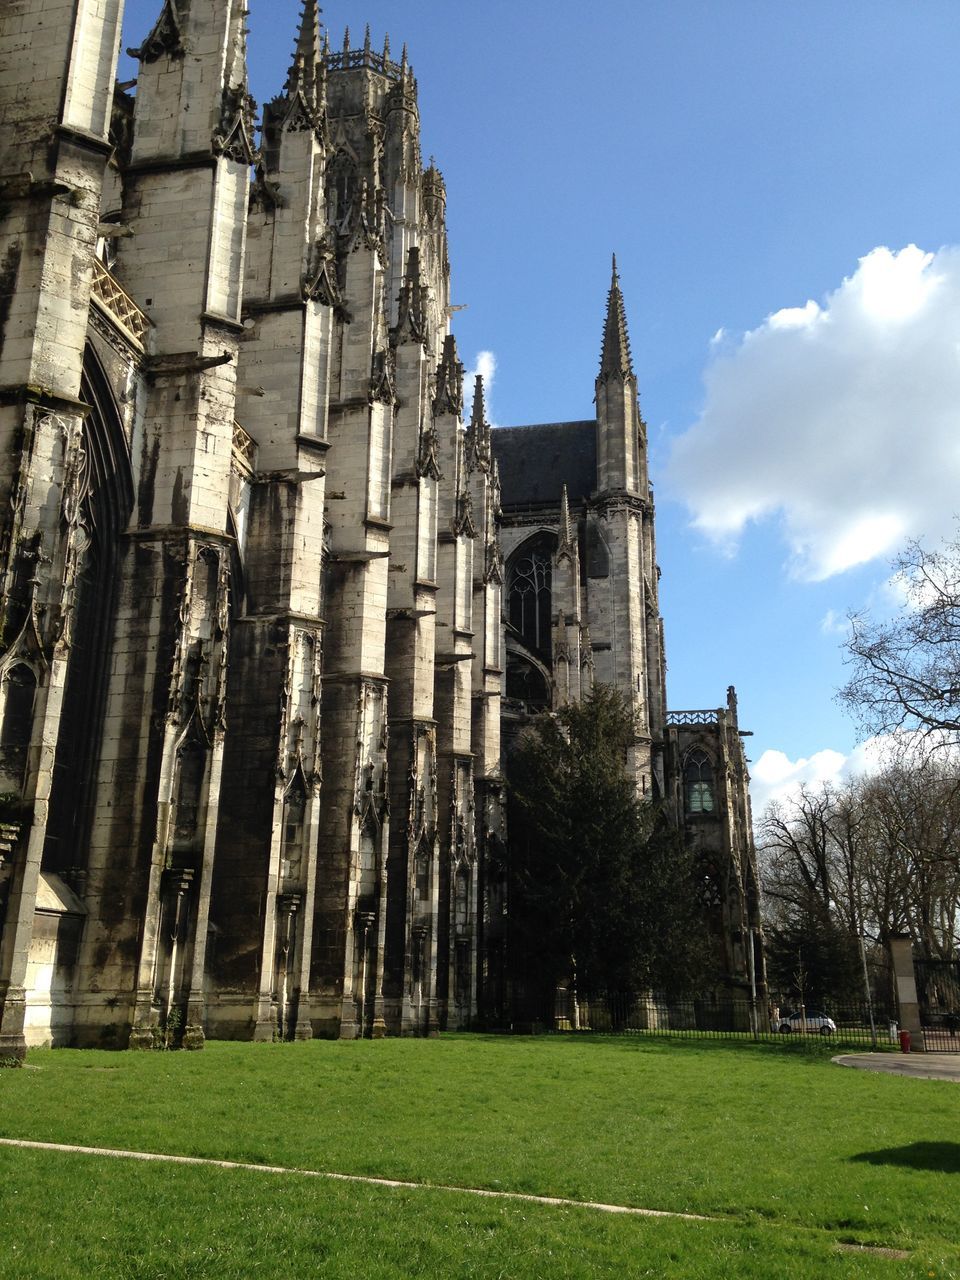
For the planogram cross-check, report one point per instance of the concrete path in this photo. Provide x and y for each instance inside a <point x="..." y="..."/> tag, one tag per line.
<point x="921" y="1066"/>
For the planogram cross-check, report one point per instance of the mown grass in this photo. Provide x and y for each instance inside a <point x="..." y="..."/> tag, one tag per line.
<point x="791" y="1153"/>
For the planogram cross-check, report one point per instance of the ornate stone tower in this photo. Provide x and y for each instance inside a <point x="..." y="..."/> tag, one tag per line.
<point x="581" y="582"/>
<point x="578" y="533"/>
<point x="623" y="611"/>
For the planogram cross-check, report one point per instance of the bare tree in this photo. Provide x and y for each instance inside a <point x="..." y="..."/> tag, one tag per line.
<point x="906" y="672"/>
<point x="877" y="857"/>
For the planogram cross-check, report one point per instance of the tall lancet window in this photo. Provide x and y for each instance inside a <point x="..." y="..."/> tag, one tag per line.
<point x="342" y="183"/>
<point x="698" y="783"/>
<point x="530" y="598"/>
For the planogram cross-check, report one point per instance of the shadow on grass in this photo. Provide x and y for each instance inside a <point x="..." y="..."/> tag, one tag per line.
<point x="941" y="1157"/>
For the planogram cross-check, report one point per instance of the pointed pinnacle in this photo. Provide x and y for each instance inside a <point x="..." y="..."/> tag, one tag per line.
<point x="478" y="415"/>
<point x="565" y="538"/>
<point x="346" y="40"/>
<point x="366" y="39"/>
<point x="449" y="397"/>
<point x="307" y="55"/>
<point x="404" y="63"/>
<point x="615" y="354"/>
<point x="386" y="47"/>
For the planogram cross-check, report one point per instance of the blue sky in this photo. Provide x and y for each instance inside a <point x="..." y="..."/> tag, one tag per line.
<point x="741" y="157"/>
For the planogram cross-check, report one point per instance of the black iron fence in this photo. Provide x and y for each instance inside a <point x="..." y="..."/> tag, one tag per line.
<point x="736" y="1019"/>
<point x="938" y="994"/>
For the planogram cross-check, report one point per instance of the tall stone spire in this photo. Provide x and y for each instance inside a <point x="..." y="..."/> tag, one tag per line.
<point x="615" y="355"/>
<point x="565" y="538"/>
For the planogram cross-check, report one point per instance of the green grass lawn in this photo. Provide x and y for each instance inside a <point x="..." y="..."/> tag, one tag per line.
<point x="790" y="1154"/>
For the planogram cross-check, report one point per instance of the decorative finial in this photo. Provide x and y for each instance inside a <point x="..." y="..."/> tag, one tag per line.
<point x="616" y="276"/>
<point x="366" y="39"/>
<point x="346" y="40"/>
<point x="386" y="47"/>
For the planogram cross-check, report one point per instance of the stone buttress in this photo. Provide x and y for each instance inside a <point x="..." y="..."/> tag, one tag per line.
<point x="59" y="60"/>
<point x="155" y="807"/>
<point x="264" y="888"/>
<point x="478" y="935"/>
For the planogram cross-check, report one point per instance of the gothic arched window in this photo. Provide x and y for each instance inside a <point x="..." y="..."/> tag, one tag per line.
<point x="530" y="598"/>
<point x="698" y="783"/>
<point x="341" y="189"/>
<point x="368" y="864"/>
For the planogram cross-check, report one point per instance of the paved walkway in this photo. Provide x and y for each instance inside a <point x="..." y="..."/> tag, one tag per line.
<point x="921" y="1066"/>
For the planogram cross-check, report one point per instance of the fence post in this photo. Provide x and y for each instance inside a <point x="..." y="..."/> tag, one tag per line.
<point x="752" y="966"/>
<point x="867" y="991"/>
<point x="901" y="952"/>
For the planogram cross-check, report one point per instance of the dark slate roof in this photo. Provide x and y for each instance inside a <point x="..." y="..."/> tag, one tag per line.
<point x="536" y="462"/>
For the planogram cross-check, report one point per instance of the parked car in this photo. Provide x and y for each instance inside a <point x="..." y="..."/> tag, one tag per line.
<point x="812" y="1020"/>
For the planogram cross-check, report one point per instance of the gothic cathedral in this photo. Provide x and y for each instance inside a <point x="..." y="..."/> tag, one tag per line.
<point x="271" y="600"/>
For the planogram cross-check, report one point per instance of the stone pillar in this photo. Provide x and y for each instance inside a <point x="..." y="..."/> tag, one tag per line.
<point x="901" y="955"/>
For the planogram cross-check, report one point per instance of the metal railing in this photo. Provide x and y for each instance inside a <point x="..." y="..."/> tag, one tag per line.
<point x="708" y="1018"/>
<point x="693" y="717"/>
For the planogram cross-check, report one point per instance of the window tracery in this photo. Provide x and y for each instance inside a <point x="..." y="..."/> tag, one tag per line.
<point x="530" y="598"/>
<point x="698" y="785"/>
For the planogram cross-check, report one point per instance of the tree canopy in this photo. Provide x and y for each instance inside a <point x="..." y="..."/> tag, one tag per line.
<point x="599" y="880"/>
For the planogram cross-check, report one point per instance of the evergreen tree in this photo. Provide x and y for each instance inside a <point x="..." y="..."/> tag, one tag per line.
<point x="601" y="887"/>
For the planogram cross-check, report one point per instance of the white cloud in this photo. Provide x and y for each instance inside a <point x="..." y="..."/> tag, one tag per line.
<point x="842" y="419"/>
<point x="835" y="624"/>
<point x="775" y="777"/>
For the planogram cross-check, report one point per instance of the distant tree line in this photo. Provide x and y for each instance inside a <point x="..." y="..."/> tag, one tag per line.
<point x="872" y="859"/>
<point x="880" y="855"/>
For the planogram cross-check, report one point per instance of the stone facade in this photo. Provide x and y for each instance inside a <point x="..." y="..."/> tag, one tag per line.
<point x="252" y="642"/>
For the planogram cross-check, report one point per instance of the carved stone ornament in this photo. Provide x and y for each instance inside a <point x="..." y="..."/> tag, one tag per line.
<point x="427" y="463"/>
<point x="234" y="139"/>
<point x="464" y="523"/>
<point x="382" y="388"/>
<point x="493" y="567"/>
<point x="300" y="118"/>
<point x="321" y="284"/>
<point x="76" y="489"/>
<point x="165" y="38"/>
